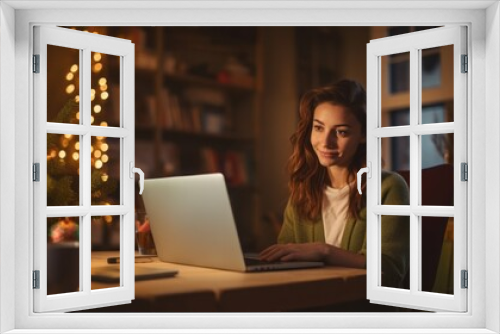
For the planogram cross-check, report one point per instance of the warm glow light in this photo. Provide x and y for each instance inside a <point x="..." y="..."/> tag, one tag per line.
<point x="104" y="147"/>
<point x="103" y="123"/>
<point x="91" y="119"/>
<point x="65" y="142"/>
<point x="53" y="154"/>
<point x="108" y="219"/>
<point x="97" y="56"/>
<point x="97" y="67"/>
<point x="100" y="137"/>
<point x="62" y="154"/>
<point x="74" y="68"/>
<point x="77" y="146"/>
<point x="105" y="158"/>
<point x="97" y="153"/>
<point x="77" y="98"/>
<point x="70" y="76"/>
<point x="104" y="177"/>
<point x="91" y="149"/>
<point x="104" y="87"/>
<point x="70" y="89"/>
<point x="76" y="156"/>
<point x="68" y="136"/>
<point x="92" y="91"/>
<point x="78" y="115"/>
<point x="98" y="164"/>
<point x="97" y="108"/>
<point x="92" y="97"/>
<point x="102" y="81"/>
<point x="104" y="95"/>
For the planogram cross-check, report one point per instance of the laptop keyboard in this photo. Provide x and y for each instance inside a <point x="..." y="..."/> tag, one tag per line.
<point x="253" y="262"/>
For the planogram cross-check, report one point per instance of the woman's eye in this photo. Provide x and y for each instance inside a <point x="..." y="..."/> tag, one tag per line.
<point x="342" y="133"/>
<point x="317" y="128"/>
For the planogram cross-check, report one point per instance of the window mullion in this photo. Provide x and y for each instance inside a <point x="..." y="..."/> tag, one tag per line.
<point x="86" y="240"/>
<point x="415" y="235"/>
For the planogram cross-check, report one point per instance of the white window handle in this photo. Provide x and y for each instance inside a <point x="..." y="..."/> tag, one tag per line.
<point x="367" y="170"/>
<point x="141" y="175"/>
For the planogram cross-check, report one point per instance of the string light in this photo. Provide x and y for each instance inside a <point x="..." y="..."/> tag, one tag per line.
<point x="104" y="95"/>
<point x="104" y="177"/>
<point x="70" y="89"/>
<point x="91" y="119"/>
<point x="97" y="153"/>
<point x="65" y="142"/>
<point x="97" y="67"/>
<point x="77" y="146"/>
<point x="98" y="164"/>
<point x="108" y="219"/>
<point x="102" y="81"/>
<point x="76" y="156"/>
<point x="97" y="56"/>
<point x="62" y="154"/>
<point x="104" y="158"/>
<point x="104" y="147"/>
<point x="103" y="123"/>
<point x="74" y="68"/>
<point x="77" y="98"/>
<point x="97" y="108"/>
<point x="70" y="76"/>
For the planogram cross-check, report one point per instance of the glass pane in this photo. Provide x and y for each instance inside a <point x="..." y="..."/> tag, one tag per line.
<point x="105" y="179"/>
<point x="395" y="152"/>
<point x="437" y="170"/>
<point x="105" y="234"/>
<point x="437" y="254"/>
<point x="63" y="169"/>
<point x="63" y="255"/>
<point x="63" y="84"/>
<point x="396" y="87"/>
<point x="105" y="90"/>
<point x="395" y="252"/>
<point x="437" y="85"/>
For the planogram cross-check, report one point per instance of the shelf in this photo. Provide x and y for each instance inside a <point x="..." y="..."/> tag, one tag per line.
<point x="176" y="135"/>
<point x="187" y="79"/>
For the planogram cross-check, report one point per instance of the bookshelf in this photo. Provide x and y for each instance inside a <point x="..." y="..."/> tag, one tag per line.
<point x="198" y="96"/>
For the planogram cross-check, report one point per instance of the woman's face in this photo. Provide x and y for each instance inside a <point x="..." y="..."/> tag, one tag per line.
<point x="336" y="135"/>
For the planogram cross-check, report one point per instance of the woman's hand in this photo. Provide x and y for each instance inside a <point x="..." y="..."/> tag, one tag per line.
<point x="316" y="251"/>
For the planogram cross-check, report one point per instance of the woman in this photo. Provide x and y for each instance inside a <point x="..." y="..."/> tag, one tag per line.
<point x="325" y="219"/>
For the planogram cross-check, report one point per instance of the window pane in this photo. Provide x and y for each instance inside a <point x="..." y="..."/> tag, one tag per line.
<point x="396" y="157"/>
<point x="63" y="255"/>
<point x="105" y="90"/>
<point x="437" y="254"/>
<point x="437" y="170"/>
<point x="105" y="179"/>
<point x="63" y="84"/>
<point x="105" y="231"/>
<point x="63" y="169"/>
<point x="396" y="86"/>
<point x="437" y="84"/>
<point x="395" y="251"/>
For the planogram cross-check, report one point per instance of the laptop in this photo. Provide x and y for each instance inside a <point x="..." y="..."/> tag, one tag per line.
<point x="192" y="223"/>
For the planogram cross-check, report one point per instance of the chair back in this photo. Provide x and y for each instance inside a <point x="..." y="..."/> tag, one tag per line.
<point x="437" y="190"/>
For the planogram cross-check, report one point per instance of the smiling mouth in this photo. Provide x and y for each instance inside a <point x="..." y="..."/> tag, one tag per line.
<point x="329" y="154"/>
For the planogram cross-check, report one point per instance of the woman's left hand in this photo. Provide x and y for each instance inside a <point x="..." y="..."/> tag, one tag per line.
<point x="316" y="251"/>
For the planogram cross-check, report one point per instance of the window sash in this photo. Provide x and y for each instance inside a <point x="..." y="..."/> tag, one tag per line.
<point x="86" y="43"/>
<point x="413" y="43"/>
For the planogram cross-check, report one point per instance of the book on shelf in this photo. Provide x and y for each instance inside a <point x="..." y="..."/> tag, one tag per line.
<point x="170" y="159"/>
<point x="236" y="168"/>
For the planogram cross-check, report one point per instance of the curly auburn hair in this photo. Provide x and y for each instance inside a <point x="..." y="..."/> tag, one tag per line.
<point x="308" y="178"/>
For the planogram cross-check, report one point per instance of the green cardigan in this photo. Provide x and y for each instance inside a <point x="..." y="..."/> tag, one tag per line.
<point x="395" y="231"/>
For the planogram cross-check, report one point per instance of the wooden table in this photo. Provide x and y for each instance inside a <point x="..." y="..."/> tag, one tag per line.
<point x="197" y="289"/>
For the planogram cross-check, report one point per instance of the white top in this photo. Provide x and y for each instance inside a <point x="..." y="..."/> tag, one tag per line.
<point x="335" y="211"/>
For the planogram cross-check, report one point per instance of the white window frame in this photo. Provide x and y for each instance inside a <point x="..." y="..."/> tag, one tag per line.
<point x="484" y="103"/>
